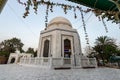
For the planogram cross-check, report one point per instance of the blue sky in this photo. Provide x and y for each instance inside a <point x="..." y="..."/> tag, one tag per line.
<point x="12" y="24"/>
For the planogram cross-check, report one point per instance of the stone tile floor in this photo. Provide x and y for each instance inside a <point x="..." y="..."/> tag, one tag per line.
<point x="17" y="72"/>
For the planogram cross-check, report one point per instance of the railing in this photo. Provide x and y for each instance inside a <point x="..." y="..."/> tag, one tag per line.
<point x="51" y="62"/>
<point x="36" y="61"/>
<point x="66" y="61"/>
<point x="59" y="62"/>
<point x="88" y="62"/>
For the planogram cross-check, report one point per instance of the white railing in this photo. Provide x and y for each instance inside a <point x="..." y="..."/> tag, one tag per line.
<point x="66" y="61"/>
<point x="88" y="62"/>
<point x="59" y="62"/>
<point x="50" y="62"/>
<point x="36" y="61"/>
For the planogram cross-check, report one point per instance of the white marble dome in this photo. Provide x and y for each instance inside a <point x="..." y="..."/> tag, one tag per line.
<point x="59" y="21"/>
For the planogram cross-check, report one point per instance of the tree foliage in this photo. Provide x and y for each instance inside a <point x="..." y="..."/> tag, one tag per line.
<point x="102" y="12"/>
<point x="105" y="47"/>
<point x="31" y="50"/>
<point x="10" y="46"/>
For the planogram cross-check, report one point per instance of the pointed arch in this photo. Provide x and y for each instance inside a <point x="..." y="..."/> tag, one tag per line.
<point x="12" y="60"/>
<point x="67" y="48"/>
<point x="46" y="48"/>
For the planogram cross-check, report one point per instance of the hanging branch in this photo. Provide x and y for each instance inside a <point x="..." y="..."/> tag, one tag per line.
<point x="51" y="8"/>
<point x="35" y="3"/>
<point x="46" y="17"/>
<point x="84" y="26"/>
<point x="21" y="2"/>
<point x="64" y="8"/>
<point x="75" y="16"/>
<point x="99" y="18"/>
<point x="110" y="15"/>
<point x="105" y="26"/>
<point x="29" y="3"/>
<point x="35" y="6"/>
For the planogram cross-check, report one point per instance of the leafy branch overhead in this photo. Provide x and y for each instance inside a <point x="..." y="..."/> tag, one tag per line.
<point x="111" y="15"/>
<point x="109" y="9"/>
<point x="49" y="7"/>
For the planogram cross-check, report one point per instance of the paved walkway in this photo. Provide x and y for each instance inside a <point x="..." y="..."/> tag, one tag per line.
<point x="16" y="72"/>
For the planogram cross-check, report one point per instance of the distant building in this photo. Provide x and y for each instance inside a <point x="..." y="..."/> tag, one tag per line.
<point x="15" y="57"/>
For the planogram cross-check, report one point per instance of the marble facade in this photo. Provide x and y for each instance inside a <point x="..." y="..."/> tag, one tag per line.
<point x="59" y="47"/>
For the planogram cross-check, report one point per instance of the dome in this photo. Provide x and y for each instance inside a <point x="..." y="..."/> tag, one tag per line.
<point x="59" y="20"/>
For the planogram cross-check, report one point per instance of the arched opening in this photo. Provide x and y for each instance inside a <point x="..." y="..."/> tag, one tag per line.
<point x="46" y="48"/>
<point x="67" y="48"/>
<point x="12" y="60"/>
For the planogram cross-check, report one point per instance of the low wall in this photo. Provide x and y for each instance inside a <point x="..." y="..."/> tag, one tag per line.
<point x="59" y="62"/>
<point x="38" y="62"/>
<point x="46" y="62"/>
<point x="88" y="63"/>
<point x="3" y="60"/>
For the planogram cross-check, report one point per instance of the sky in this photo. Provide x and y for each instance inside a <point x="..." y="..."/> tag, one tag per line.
<point x="12" y="24"/>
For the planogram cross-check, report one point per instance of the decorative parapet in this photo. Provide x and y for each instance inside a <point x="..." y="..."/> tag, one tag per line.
<point x="88" y="63"/>
<point x="58" y="62"/>
<point x="46" y="62"/>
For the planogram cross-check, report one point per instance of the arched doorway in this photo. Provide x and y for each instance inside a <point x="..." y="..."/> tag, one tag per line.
<point x="12" y="60"/>
<point x="67" y="48"/>
<point x="46" y="48"/>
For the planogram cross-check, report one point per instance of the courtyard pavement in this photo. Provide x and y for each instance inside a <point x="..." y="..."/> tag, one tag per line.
<point x="17" y="72"/>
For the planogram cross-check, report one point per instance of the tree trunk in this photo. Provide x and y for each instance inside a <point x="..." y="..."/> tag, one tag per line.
<point x="102" y="59"/>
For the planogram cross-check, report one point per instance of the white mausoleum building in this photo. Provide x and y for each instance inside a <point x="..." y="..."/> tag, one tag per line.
<point x="59" y="47"/>
<point x="59" y="40"/>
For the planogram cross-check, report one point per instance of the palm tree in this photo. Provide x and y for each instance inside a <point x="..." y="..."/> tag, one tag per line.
<point x="104" y="46"/>
<point x="104" y="40"/>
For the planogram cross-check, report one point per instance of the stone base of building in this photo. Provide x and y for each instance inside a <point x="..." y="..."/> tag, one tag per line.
<point x="59" y="63"/>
